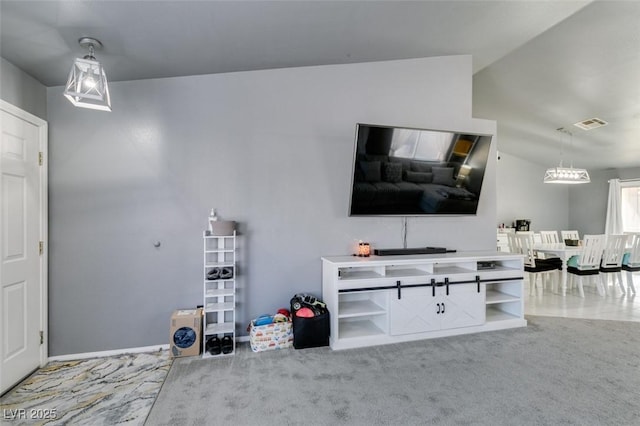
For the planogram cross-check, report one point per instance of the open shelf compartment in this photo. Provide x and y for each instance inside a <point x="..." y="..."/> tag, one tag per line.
<point x="358" y="328"/>
<point x="362" y="304"/>
<point x="496" y="314"/>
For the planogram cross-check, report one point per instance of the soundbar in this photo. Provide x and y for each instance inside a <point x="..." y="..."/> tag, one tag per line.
<point x="417" y="250"/>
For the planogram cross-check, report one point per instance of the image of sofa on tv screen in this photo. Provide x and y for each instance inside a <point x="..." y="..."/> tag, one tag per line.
<point x="387" y="185"/>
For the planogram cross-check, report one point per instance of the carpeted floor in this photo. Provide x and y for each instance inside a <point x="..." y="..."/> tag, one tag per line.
<point x="555" y="371"/>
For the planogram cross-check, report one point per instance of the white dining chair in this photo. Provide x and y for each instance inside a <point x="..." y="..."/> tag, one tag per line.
<point x="587" y="263"/>
<point x="534" y="235"/>
<point x="631" y="260"/>
<point x="514" y="243"/>
<point x="549" y="237"/>
<point x="569" y="235"/>
<point x="611" y="263"/>
<point x="536" y="267"/>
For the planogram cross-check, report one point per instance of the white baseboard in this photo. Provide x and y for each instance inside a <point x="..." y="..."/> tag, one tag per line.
<point x="102" y="354"/>
<point x="115" y="352"/>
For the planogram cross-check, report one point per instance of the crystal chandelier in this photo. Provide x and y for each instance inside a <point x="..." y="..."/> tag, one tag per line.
<point x="566" y="175"/>
<point x="87" y="84"/>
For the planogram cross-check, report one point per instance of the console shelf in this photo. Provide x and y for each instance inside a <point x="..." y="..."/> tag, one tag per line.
<point x="496" y="315"/>
<point x="359" y="329"/>
<point x="360" y="308"/>
<point x="405" y="272"/>
<point x="499" y="297"/>
<point x="389" y="299"/>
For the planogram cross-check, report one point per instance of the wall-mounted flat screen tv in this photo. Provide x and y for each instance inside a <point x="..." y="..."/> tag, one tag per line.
<point x="413" y="172"/>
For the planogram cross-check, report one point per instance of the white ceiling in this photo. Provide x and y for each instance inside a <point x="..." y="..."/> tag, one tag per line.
<point x="538" y="65"/>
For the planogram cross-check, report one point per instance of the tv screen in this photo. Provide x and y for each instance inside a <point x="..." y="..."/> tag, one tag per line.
<point x="412" y="172"/>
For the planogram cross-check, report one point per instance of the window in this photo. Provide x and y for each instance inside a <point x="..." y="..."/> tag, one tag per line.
<point x="630" y="200"/>
<point x="424" y="146"/>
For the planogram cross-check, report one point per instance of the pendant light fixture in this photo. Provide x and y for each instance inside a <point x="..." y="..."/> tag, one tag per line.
<point x="87" y="84"/>
<point x="566" y="175"/>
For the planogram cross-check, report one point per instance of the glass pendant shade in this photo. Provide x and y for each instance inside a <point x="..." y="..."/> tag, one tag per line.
<point x="87" y="85"/>
<point x="566" y="175"/>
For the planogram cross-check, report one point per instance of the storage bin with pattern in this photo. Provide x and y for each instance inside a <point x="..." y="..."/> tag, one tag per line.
<point x="277" y="335"/>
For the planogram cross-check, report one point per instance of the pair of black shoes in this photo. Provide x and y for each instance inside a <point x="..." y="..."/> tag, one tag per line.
<point x="215" y="346"/>
<point x="223" y="273"/>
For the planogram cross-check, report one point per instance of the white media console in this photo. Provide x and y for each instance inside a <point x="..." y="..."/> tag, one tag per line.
<point x="388" y="299"/>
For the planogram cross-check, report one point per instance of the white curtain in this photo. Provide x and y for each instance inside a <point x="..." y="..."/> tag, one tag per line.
<point x="613" y="225"/>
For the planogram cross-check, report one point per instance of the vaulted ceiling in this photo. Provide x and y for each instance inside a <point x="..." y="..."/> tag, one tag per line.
<point x="538" y="65"/>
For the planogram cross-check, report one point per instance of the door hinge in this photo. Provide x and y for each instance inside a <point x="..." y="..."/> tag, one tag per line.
<point x="41" y="337"/>
<point x="40" y="158"/>
<point x="41" y="247"/>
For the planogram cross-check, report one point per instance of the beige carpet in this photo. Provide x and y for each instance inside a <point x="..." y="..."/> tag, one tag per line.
<point x="555" y="371"/>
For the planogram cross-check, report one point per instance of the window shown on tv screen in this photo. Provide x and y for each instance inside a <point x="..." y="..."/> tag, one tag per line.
<point x="411" y="172"/>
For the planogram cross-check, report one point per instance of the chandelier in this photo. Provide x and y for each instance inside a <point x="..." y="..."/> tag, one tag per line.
<point x="566" y="175"/>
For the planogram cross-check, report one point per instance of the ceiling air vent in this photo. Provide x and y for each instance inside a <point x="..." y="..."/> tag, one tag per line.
<point x="590" y="124"/>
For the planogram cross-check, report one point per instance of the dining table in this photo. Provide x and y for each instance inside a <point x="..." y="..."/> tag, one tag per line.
<point x="561" y="250"/>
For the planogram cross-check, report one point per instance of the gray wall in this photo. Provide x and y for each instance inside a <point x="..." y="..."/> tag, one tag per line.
<point x="270" y="149"/>
<point x="521" y="194"/>
<point x="588" y="203"/>
<point x="22" y="90"/>
<point x="629" y="173"/>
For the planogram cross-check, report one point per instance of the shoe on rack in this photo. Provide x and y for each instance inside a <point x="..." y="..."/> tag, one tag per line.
<point x="227" y="345"/>
<point x="213" y="274"/>
<point x="226" y="273"/>
<point x="214" y="346"/>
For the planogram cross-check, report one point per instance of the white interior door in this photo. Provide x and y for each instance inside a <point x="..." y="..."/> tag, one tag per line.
<point x="22" y="257"/>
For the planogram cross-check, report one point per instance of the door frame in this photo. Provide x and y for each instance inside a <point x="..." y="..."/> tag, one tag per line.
<point x="43" y="129"/>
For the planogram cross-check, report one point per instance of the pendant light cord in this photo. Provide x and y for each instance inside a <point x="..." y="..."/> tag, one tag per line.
<point x="563" y="130"/>
<point x="404" y="232"/>
<point x="571" y="149"/>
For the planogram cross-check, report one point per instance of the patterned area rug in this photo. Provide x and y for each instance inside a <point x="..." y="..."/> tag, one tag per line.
<point x="97" y="391"/>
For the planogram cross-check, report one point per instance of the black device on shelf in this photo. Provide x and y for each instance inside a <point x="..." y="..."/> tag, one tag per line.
<point x="416" y="250"/>
<point x="486" y="265"/>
